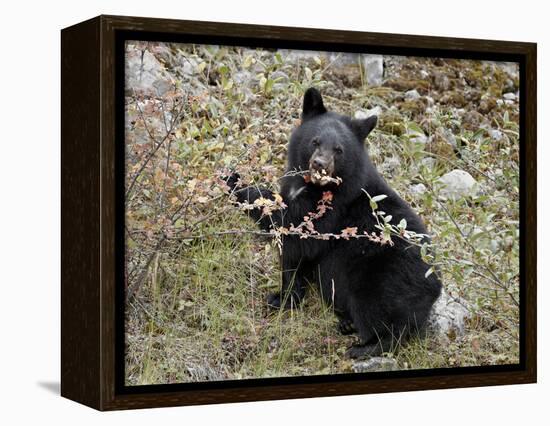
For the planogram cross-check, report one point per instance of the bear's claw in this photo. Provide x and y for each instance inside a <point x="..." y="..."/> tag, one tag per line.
<point x="346" y="326"/>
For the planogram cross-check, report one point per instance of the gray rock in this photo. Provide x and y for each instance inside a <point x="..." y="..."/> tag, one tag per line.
<point x="374" y="69"/>
<point x="243" y="77"/>
<point x="362" y="114"/>
<point x="162" y="86"/>
<point x="416" y="136"/>
<point x="293" y="55"/>
<point x="279" y="76"/>
<point x="447" y="136"/>
<point x="496" y="135"/>
<point x="458" y="184"/>
<point x="375" y="364"/>
<point x="281" y="80"/>
<point x="336" y="59"/>
<point x="441" y="81"/>
<point x="448" y="315"/>
<point x="412" y="94"/>
<point x="145" y="73"/>
<point x="390" y="164"/>
<point x="164" y="54"/>
<point x="511" y="68"/>
<point x="419" y="188"/>
<point x="508" y="86"/>
<point x="509" y="96"/>
<point x="428" y="162"/>
<point x="189" y="67"/>
<point x="340" y="59"/>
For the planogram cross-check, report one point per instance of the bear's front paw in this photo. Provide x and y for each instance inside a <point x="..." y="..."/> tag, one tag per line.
<point x="363" y="351"/>
<point x="232" y="181"/>
<point x="346" y="326"/>
<point x="277" y="300"/>
<point x="274" y="300"/>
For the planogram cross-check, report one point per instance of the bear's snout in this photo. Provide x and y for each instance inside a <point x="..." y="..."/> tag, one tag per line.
<point x="319" y="164"/>
<point x="321" y="170"/>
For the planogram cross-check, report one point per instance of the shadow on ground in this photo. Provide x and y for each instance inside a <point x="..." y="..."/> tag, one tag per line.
<point x="52" y="387"/>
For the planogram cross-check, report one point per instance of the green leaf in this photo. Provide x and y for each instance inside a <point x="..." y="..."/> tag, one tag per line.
<point x="248" y="61"/>
<point x="228" y="85"/>
<point x="402" y="224"/>
<point x="429" y="272"/>
<point x="415" y="128"/>
<point x="269" y="85"/>
<point x="379" y="197"/>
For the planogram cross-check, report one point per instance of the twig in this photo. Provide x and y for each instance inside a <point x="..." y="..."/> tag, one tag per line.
<point x="468" y="242"/>
<point x="131" y="289"/>
<point x="155" y="149"/>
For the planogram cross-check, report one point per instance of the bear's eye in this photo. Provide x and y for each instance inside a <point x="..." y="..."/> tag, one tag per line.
<point x="338" y="150"/>
<point x="315" y="142"/>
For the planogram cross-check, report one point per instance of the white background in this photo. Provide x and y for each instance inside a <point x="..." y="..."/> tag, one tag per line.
<point x="30" y="210"/>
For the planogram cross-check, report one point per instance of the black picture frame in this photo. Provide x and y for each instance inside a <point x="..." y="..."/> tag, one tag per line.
<point x="92" y="298"/>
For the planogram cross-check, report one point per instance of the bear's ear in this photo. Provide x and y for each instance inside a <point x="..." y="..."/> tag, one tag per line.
<point x="313" y="104"/>
<point x="362" y="127"/>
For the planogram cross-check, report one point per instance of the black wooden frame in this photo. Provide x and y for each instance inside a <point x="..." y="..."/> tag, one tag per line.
<point x="92" y="297"/>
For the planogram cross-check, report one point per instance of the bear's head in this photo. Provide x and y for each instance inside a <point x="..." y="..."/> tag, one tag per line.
<point x="328" y="145"/>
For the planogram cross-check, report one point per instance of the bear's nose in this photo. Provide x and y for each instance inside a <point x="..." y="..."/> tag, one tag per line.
<point x="318" y="164"/>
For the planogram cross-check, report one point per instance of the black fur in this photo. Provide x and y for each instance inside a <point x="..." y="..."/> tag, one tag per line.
<point x="378" y="290"/>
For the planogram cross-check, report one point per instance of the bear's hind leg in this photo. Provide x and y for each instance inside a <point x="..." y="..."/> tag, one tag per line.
<point x="365" y="350"/>
<point x="293" y="289"/>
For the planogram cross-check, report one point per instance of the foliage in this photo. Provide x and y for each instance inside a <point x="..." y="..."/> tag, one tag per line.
<point x="198" y="270"/>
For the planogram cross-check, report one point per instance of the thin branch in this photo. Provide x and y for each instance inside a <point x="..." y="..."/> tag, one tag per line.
<point x="155" y="149"/>
<point x="468" y="242"/>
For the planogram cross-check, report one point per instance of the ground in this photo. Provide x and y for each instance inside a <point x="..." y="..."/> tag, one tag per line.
<point x="197" y="272"/>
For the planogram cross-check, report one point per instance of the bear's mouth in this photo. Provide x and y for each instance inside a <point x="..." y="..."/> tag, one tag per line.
<point x="321" y="177"/>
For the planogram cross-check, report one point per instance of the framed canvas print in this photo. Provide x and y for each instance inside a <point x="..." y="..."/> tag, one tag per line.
<point x="253" y="212"/>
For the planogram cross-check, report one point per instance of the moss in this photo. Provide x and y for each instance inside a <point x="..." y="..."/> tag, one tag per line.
<point x="472" y="120"/>
<point x="391" y="122"/>
<point x="487" y="105"/>
<point x="473" y="95"/>
<point x="403" y="85"/>
<point x="441" y="147"/>
<point x="474" y="77"/>
<point x="380" y="91"/>
<point x="348" y="75"/>
<point x="454" y="98"/>
<point x="413" y="106"/>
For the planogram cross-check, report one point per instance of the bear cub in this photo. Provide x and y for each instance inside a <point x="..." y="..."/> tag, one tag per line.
<point x="380" y="291"/>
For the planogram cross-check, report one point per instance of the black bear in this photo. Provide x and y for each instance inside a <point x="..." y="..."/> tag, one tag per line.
<point x="381" y="291"/>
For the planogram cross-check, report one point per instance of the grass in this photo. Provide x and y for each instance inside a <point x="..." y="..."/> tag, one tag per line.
<point x="198" y="310"/>
<point x="209" y="313"/>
